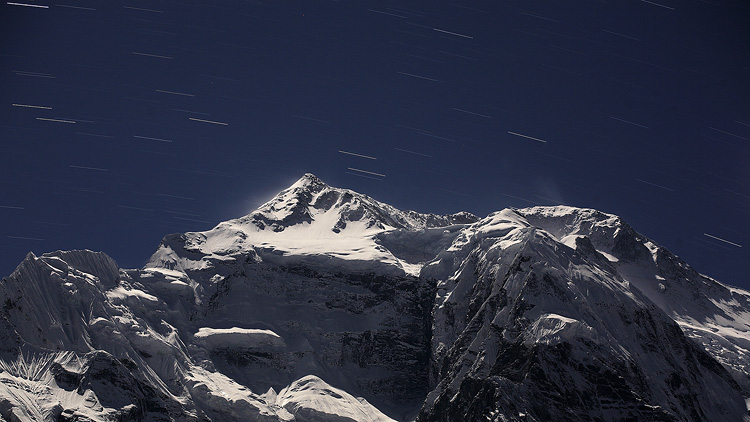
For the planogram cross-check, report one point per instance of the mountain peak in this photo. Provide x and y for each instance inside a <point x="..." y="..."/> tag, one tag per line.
<point x="311" y="220"/>
<point x="309" y="181"/>
<point x="311" y="200"/>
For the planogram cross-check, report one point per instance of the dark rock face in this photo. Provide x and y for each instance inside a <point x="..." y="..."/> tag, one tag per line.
<point x="116" y="387"/>
<point x="550" y="342"/>
<point x="373" y="330"/>
<point x="628" y="245"/>
<point x="101" y="386"/>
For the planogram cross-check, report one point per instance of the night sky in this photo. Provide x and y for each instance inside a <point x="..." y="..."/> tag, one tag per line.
<point x="124" y="121"/>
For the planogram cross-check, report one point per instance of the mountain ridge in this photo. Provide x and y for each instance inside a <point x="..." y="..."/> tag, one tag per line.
<point x="324" y="294"/>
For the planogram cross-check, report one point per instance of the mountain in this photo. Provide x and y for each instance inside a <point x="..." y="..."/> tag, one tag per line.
<point x="327" y="305"/>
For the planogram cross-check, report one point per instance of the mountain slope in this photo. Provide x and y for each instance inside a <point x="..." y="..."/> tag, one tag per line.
<point x="313" y="224"/>
<point x="325" y="304"/>
<point x="527" y="326"/>
<point x="714" y="314"/>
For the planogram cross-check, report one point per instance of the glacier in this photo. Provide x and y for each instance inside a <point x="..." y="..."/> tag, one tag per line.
<point x="328" y="305"/>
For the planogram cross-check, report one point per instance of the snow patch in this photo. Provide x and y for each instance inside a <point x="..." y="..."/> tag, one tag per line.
<point x="120" y="292"/>
<point x="570" y="240"/>
<point x="232" y="338"/>
<point x="609" y="256"/>
<point x="312" y="399"/>
<point x="553" y="328"/>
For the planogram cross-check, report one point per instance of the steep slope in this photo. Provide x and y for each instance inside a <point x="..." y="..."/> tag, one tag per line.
<point x="71" y="350"/>
<point x="714" y="314"/>
<point x="527" y="328"/>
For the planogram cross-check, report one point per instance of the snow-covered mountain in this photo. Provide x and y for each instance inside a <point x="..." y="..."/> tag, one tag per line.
<point x="327" y="305"/>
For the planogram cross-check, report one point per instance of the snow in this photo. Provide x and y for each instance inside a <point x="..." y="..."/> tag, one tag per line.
<point x="609" y="256"/>
<point x="653" y="248"/>
<point x="306" y="399"/>
<point x="238" y="338"/>
<point x="312" y="224"/>
<point x="311" y="399"/>
<point x="570" y="240"/>
<point x="175" y="274"/>
<point x="223" y="396"/>
<point x="316" y="238"/>
<point x="120" y="292"/>
<point x="28" y="384"/>
<point x="552" y="328"/>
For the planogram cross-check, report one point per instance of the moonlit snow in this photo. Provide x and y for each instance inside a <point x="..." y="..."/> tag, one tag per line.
<point x="327" y="305"/>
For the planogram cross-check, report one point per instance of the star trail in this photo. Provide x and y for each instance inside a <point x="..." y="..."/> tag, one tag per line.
<point x="125" y="121"/>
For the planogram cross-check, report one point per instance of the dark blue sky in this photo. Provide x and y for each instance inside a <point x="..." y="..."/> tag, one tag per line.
<point x="125" y="121"/>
